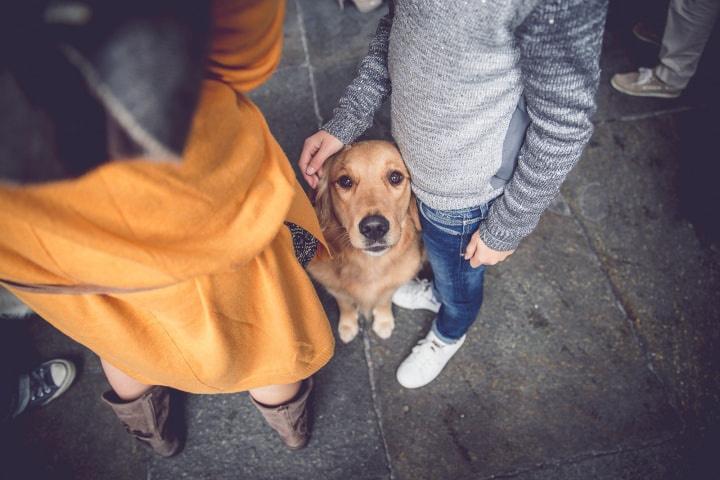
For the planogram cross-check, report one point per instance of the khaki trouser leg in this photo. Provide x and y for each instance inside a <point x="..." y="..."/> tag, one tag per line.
<point x="688" y="28"/>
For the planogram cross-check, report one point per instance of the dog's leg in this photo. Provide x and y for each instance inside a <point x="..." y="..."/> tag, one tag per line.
<point x="383" y="319"/>
<point x="348" y="326"/>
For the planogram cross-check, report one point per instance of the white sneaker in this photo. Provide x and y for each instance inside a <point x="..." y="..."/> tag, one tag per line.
<point x="416" y="294"/>
<point x="426" y="361"/>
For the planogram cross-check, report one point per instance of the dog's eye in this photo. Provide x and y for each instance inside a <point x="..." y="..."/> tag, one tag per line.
<point x="345" y="182"/>
<point x="395" y="177"/>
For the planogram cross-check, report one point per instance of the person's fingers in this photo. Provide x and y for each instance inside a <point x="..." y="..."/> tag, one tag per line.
<point x="472" y="246"/>
<point x="480" y="258"/>
<point x="311" y="145"/>
<point x="485" y="256"/>
<point x="322" y="154"/>
<point x="310" y="148"/>
<point x="311" y="180"/>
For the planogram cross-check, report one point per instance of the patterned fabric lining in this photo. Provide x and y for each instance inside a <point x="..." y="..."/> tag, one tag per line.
<point x="304" y="243"/>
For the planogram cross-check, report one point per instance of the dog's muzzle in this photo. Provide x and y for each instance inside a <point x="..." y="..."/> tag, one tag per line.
<point x="374" y="228"/>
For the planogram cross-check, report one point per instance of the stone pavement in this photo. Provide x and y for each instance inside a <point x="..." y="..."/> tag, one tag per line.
<point x="595" y="355"/>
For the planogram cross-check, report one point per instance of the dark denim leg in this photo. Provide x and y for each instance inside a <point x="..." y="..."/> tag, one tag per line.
<point x="458" y="286"/>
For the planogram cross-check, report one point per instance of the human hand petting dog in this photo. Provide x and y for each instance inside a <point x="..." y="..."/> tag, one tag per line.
<point x="322" y="145"/>
<point x="317" y="148"/>
<point x="480" y="254"/>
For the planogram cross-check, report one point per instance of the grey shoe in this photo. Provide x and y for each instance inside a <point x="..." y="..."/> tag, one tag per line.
<point x="44" y="383"/>
<point x="147" y="419"/>
<point x="289" y="420"/>
<point x="643" y="83"/>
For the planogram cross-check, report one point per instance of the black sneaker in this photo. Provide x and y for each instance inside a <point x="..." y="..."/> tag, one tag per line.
<point x="48" y="381"/>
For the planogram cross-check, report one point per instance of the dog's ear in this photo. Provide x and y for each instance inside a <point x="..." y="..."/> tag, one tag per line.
<point x="323" y="202"/>
<point x="323" y="198"/>
<point x="414" y="214"/>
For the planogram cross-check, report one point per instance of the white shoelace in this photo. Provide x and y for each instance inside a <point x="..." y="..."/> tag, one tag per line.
<point x="426" y="344"/>
<point x="644" y="76"/>
<point x="423" y="285"/>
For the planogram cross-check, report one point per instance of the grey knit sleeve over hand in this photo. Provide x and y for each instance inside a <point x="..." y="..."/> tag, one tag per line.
<point x="560" y="45"/>
<point x="366" y="94"/>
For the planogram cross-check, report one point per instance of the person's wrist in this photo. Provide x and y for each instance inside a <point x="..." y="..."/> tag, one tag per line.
<point x="342" y="128"/>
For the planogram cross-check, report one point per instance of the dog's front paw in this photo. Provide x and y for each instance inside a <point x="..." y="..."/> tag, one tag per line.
<point x="348" y="330"/>
<point x="383" y="325"/>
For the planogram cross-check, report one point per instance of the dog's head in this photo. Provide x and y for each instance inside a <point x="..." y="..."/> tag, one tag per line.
<point x="364" y="198"/>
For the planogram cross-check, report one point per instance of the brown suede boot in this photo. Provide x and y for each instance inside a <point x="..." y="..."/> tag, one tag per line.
<point x="289" y="420"/>
<point x="146" y="418"/>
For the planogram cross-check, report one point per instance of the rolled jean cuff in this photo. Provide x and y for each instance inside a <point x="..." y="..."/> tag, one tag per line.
<point x="442" y="337"/>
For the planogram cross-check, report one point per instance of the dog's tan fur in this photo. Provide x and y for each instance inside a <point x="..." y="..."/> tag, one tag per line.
<point x="362" y="283"/>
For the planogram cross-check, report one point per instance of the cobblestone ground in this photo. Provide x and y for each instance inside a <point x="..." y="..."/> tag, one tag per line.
<point x="595" y="355"/>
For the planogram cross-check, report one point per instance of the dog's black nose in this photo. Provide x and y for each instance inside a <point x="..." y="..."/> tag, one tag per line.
<point x="374" y="227"/>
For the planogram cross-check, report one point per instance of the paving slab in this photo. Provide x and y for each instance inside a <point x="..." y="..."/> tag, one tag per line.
<point x="287" y="102"/>
<point x="551" y="370"/>
<point x="293" y="53"/>
<point x="76" y="436"/>
<point x="627" y="194"/>
<point x="662" y="462"/>
<point x="335" y="36"/>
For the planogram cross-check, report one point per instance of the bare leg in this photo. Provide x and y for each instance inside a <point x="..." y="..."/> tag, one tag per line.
<point x="273" y="395"/>
<point x="125" y="387"/>
<point x="383" y="319"/>
<point x="348" y="325"/>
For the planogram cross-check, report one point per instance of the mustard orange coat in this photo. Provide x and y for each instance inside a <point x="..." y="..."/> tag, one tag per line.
<point x="183" y="274"/>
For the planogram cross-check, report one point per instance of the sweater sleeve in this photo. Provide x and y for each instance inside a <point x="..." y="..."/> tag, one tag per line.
<point x="560" y="45"/>
<point x="371" y="87"/>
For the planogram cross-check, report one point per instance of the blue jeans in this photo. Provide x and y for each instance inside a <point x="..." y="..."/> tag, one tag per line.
<point x="458" y="286"/>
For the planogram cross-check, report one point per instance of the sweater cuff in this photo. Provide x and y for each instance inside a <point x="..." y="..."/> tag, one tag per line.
<point x="501" y="243"/>
<point x="344" y="127"/>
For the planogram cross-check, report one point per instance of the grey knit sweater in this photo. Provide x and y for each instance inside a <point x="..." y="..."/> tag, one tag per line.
<point x="457" y="70"/>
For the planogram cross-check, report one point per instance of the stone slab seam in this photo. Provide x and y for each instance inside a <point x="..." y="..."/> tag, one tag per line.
<point x="311" y="73"/>
<point x="582" y="457"/>
<point x="376" y="406"/>
<point x="647" y="115"/>
<point x="631" y="319"/>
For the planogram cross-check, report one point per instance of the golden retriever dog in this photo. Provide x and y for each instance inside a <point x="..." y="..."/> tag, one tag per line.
<point x="370" y="220"/>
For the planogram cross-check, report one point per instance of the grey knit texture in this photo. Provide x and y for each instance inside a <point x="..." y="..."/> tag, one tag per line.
<point x="456" y="70"/>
